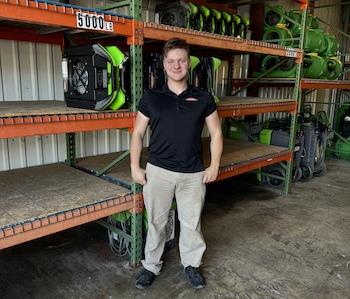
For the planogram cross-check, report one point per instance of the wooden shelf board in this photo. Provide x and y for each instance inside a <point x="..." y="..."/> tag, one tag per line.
<point x="238" y="157"/>
<point x="42" y="200"/>
<point x="29" y="118"/>
<point x="154" y="31"/>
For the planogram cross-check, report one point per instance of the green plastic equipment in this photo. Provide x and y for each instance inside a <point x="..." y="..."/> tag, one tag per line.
<point x="332" y="45"/>
<point x="342" y="149"/>
<point x="219" y="21"/>
<point x="280" y="34"/>
<point x="229" y="24"/>
<point x="314" y="66"/>
<point x="119" y="59"/>
<point x="216" y="62"/>
<point x="243" y="27"/>
<point x="194" y="62"/>
<point x="208" y="19"/>
<point x="274" y="15"/>
<point x="286" y="70"/>
<point x="196" y="18"/>
<point x="315" y="41"/>
<point x="334" y="68"/>
<point x="311" y="22"/>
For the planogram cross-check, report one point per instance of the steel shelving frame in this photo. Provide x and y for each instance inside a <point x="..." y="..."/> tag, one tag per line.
<point x="25" y="17"/>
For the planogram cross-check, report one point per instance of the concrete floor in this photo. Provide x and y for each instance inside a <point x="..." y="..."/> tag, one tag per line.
<point x="260" y="245"/>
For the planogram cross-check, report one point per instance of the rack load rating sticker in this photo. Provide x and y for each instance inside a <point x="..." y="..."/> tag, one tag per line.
<point x="291" y="52"/>
<point x="93" y="22"/>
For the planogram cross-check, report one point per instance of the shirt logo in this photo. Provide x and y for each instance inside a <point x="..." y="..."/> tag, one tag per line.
<point x="191" y="100"/>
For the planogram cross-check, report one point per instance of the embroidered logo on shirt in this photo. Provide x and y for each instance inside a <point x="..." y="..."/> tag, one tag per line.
<point x="191" y="100"/>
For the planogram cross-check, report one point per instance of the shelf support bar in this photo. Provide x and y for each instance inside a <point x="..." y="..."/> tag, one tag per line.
<point x="297" y="97"/>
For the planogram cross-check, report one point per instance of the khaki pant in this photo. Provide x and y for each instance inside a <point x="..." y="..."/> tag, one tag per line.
<point x="161" y="187"/>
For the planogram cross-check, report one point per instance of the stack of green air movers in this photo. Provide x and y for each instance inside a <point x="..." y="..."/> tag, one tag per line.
<point x="199" y="17"/>
<point x="320" y="61"/>
<point x="93" y="77"/>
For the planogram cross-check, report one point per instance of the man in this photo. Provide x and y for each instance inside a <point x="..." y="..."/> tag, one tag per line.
<point x="176" y="114"/>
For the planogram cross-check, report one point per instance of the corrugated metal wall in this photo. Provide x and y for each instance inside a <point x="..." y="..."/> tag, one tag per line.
<point x="30" y="71"/>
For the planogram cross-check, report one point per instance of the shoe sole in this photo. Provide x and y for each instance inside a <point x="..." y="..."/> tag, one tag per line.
<point x="198" y="287"/>
<point x="140" y="287"/>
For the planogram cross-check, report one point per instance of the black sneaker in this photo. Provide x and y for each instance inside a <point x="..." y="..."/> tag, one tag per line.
<point x="144" y="279"/>
<point x="195" y="277"/>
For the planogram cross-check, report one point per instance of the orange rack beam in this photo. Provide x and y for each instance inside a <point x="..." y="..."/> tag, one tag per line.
<point x="324" y="84"/>
<point x="230" y="171"/>
<point x="11" y="127"/>
<point x="162" y="32"/>
<point x="45" y="226"/>
<point x="41" y="13"/>
<point x="232" y="108"/>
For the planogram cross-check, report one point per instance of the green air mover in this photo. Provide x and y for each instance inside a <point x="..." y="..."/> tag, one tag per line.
<point x="333" y="69"/>
<point x="274" y="15"/>
<point x="196" y="18"/>
<point x="242" y="28"/>
<point x="342" y="127"/>
<point x="268" y="62"/>
<point x="219" y="21"/>
<point x="314" y="66"/>
<point x="280" y="34"/>
<point x="208" y="19"/>
<point x="286" y="70"/>
<point x="229" y="24"/>
<point x="204" y="73"/>
<point x="119" y="59"/>
<point x="311" y="22"/>
<point x="174" y="13"/>
<point x="332" y="45"/>
<point x="243" y="130"/>
<point x="194" y="63"/>
<point x="315" y="41"/>
<point x="93" y="77"/>
<point x="342" y="149"/>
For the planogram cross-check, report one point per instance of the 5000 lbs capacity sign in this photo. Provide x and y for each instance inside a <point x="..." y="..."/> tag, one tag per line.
<point x="93" y="21"/>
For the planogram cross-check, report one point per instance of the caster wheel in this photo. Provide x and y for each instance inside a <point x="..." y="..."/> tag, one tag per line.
<point x="306" y="173"/>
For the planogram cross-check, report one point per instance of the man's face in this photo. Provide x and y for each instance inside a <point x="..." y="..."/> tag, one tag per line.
<point x="176" y="64"/>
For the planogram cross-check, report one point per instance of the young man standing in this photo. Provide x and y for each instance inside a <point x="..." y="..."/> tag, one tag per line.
<point x="176" y="114"/>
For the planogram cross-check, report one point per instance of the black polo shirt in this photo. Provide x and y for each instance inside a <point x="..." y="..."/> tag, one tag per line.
<point x="176" y="123"/>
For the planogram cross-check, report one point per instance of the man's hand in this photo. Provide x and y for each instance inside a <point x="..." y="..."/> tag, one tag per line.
<point x="210" y="174"/>
<point x="138" y="175"/>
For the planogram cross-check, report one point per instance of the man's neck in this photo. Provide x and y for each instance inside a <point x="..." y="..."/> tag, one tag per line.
<point x="177" y="87"/>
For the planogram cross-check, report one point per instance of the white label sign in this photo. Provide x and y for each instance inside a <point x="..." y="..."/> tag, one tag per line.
<point x="291" y="52"/>
<point x="93" y="21"/>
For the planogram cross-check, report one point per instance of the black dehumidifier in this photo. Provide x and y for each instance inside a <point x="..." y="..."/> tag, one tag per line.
<point x="93" y="77"/>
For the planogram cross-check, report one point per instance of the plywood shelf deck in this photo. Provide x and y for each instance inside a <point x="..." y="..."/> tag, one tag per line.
<point x="238" y="157"/>
<point x="42" y="200"/>
<point x="28" y="118"/>
<point x="161" y="32"/>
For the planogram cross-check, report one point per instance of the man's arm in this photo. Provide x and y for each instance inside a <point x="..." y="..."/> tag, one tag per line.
<point x="138" y="174"/>
<point x="216" y="144"/>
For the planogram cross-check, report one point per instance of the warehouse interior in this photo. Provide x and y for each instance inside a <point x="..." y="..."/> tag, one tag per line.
<point x="72" y="222"/>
